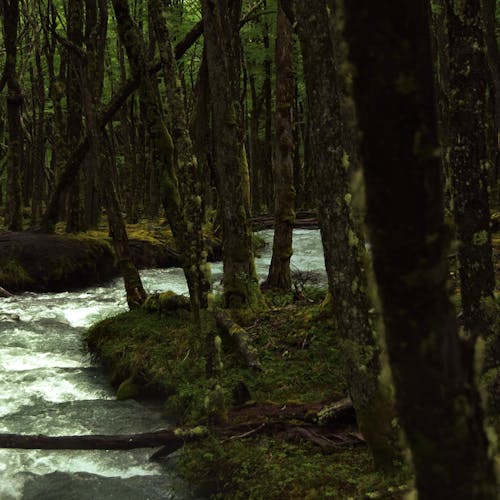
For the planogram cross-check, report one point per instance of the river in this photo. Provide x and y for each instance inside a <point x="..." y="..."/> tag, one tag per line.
<point x="50" y="385"/>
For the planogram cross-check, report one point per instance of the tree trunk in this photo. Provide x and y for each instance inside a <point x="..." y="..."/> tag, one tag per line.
<point x="489" y="14"/>
<point x="13" y="215"/>
<point x="221" y="22"/>
<point x="470" y="123"/>
<point x="343" y="242"/>
<point x="279" y="276"/>
<point x="74" y="99"/>
<point x="162" y="145"/>
<point x="187" y="168"/>
<point x="438" y="404"/>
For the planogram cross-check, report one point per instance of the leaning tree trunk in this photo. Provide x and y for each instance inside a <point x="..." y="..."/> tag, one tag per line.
<point x="136" y="295"/>
<point x="438" y="404"/>
<point x="187" y="170"/>
<point x="470" y="122"/>
<point x="279" y="276"/>
<point x="13" y="215"/>
<point x="343" y="241"/>
<point x="221" y="23"/>
<point x="162" y="144"/>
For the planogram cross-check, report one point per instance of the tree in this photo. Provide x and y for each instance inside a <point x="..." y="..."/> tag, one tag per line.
<point x="437" y="400"/>
<point x="221" y="23"/>
<point x="343" y="242"/>
<point x="13" y="216"/>
<point x="279" y="276"/>
<point x="186" y="167"/>
<point x="184" y="231"/>
<point x="470" y="124"/>
<point x="74" y="97"/>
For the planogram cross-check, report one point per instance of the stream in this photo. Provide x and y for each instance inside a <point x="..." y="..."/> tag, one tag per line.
<point x="50" y="385"/>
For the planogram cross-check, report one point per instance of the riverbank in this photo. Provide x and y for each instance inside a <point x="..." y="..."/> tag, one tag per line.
<point x="37" y="262"/>
<point x="275" y="454"/>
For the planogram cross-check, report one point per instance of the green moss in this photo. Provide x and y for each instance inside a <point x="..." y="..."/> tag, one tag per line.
<point x="128" y="389"/>
<point x="13" y="275"/>
<point x="276" y="469"/>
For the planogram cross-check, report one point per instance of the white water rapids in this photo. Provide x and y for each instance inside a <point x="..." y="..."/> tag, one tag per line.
<point x="49" y="385"/>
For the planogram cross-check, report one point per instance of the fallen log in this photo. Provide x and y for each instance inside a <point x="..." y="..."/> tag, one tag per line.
<point x="168" y="439"/>
<point x="240" y="338"/>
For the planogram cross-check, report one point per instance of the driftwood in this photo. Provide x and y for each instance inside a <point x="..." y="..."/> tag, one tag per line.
<point x="239" y="336"/>
<point x="169" y="439"/>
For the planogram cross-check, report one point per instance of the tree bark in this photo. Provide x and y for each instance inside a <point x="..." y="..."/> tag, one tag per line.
<point x="13" y="215"/>
<point x="74" y="99"/>
<point x="279" y="276"/>
<point x="187" y="168"/>
<point x="343" y="242"/>
<point x="470" y="122"/>
<point x="438" y="403"/>
<point x="221" y="23"/>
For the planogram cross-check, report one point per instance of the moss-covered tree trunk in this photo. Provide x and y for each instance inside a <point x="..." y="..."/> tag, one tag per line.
<point x="162" y="146"/>
<point x="279" y="276"/>
<point x="74" y="100"/>
<point x="343" y="242"/>
<point x="489" y="14"/>
<point x="13" y="216"/>
<point x="92" y="85"/>
<point x="187" y="169"/>
<point x="221" y="23"/>
<point x="470" y="124"/>
<point x="438" y="404"/>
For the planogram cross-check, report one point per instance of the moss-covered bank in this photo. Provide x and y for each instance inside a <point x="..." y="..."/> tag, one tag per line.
<point x="301" y="359"/>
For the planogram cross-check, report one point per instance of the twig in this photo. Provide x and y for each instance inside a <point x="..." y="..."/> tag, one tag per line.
<point x="245" y="434"/>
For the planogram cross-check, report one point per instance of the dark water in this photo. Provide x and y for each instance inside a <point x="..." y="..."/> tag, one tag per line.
<point x="49" y="385"/>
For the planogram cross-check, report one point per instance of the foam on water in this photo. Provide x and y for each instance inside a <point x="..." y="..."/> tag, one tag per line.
<point x="48" y="385"/>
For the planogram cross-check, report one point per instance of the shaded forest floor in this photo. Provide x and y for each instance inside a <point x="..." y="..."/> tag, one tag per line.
<point x="150" y="352"/>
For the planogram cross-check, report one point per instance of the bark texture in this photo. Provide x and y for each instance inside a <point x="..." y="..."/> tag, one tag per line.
<point x="470" y="122"/>
<point x="221" y="23"/>
<point x="437" y="400"/>
<point x="279" y="276"/>
<point x="184" y="231"/>
<point x="187" y="168"/>
<point x="13" y="216"/>
<point x="343" y="242"/>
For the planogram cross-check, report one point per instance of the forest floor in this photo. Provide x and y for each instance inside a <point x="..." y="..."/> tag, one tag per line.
<point x="269" y="445"/>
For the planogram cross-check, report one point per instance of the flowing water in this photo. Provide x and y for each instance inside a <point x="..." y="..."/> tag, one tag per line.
<point x="49" y="385"/>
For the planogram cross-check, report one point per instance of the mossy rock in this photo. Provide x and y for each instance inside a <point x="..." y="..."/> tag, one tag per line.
<point x="128" y="389"/>
<point x="43" y="262"/>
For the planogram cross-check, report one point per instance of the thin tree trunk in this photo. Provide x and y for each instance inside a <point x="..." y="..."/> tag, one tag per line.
<point x="279" y="276"/>
<point x="470" y="122"/>
<point x="74" y="92"/>
<point x="438" y="404"/>
<point x="13" y="215"/>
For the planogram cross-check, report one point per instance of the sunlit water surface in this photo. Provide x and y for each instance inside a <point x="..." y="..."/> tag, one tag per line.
<point x="49" y="385"/>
